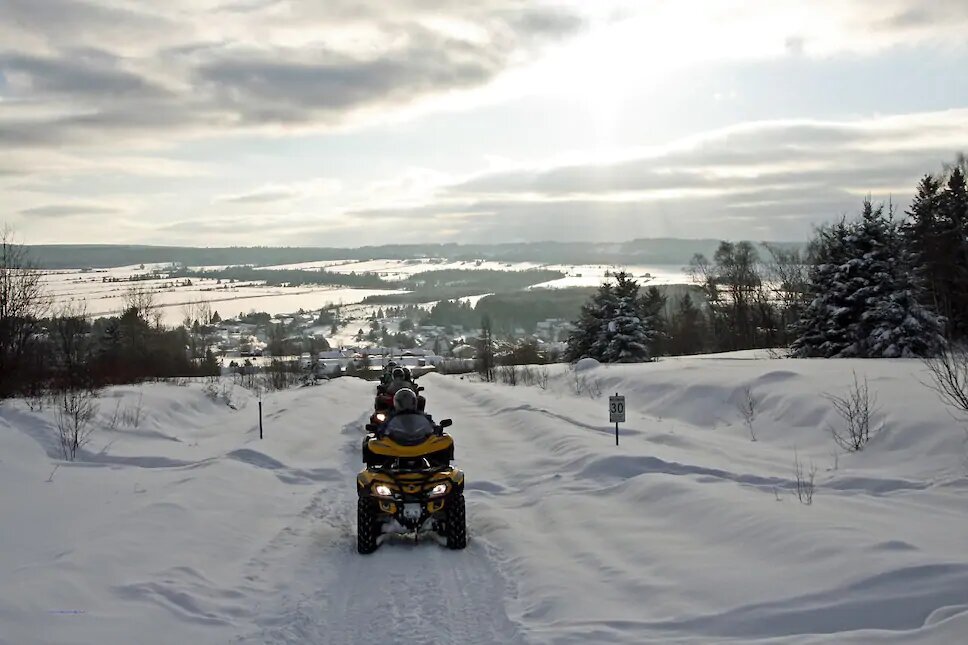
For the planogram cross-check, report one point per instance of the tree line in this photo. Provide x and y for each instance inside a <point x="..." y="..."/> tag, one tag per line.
<point x="46" y="349"/>
<point x="871" y="286"/>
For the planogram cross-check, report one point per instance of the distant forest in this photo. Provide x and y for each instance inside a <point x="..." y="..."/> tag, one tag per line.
<point x="666" y="251"/>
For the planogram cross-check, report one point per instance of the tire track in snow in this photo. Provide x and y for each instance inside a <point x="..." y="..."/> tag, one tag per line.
<point x="418" y="592"/>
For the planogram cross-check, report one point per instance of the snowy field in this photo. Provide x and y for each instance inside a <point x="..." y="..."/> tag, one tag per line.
<point x="189" y="529"/>
<point x="108" y="298"/>
<point x="576" y="275"/>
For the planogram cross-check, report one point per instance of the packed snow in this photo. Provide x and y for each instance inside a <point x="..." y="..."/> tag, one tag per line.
<point x="181" y="525"/>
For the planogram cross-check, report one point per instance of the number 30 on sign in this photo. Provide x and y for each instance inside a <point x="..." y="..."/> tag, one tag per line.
<point x="616" y="409"/>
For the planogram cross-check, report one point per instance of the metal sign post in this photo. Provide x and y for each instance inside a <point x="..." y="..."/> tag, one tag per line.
<point x="616" y="412"/>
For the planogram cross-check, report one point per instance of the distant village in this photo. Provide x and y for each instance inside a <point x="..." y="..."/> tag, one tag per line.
<point x="327" y="345"/>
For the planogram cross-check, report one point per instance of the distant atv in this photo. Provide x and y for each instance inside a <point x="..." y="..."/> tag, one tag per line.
<point x="383" y="402"/>
<point x="403" y="487"/>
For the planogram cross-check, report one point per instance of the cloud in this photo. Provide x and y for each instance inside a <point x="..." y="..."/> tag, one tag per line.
<point x="777" y="178"/>
<point x="106" y="72"/>
<point x="258" y="197"/>
<point x="56" y="211"/>
<point x="76" y="75"/>
<point x="288" y="192"/>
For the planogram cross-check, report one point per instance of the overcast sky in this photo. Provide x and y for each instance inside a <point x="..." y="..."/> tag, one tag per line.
<point x="353" y="122"/>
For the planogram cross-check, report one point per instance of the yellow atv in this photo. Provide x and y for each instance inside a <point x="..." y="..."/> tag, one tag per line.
<point x="404" y="486"/>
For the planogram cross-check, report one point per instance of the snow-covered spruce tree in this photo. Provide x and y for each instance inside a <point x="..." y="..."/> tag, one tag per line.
<point x="598" y="309"/>
<point x="953" y="250"/>
<point x="865" y="301"/>
<point x="613" y="327"/>
<point x="923" y="237"/>
<point x="826" y="326"/>
<point x="936" y="237"/>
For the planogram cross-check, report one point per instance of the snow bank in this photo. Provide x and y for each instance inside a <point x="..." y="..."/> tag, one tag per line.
<point x="691" y="532"/>
<point x="585" y="364"/>
<point x="188" y="528"/>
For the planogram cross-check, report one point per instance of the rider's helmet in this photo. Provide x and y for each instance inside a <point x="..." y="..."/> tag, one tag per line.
<point x="398" y="374"/>
<point x="391" y="365"/>
<point x="405" y="400"/>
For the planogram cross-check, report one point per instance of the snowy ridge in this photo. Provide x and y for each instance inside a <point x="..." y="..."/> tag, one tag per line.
<point x="189" y="529"/>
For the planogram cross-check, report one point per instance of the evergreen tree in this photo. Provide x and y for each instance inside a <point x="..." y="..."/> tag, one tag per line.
<point x="587" y="328"/>
<point x="953" y="251"/>
<point x="826" y="327"/>
<point x="865" y="300"/>
<point x="687" y="329"/>
<point x="625" y="338"/>
<point x="923" y="239"/>
<point x="613" y="326"/>
<point x="653" y="306"/>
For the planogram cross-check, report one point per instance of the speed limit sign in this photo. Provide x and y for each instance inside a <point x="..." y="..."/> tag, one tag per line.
<point x="616" y="409"/>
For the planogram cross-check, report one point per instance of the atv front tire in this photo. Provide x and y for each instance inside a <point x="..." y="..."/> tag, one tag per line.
<point x="455" y="523"/>
<point x="367" y="526"/>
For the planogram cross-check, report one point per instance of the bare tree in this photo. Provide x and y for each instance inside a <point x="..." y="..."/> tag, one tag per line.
<point x="70" y="335"/>
<point x="189" y="314"/>
<point x="509" y="374"/>
<point x="949" y="380"/>
<point x="747" y="409"/>
<point x="949" y="375"/>
<point x="204" y="308"/>
<point x="787" y="275"/>
<point x="485" y="352"/>
<point x="77" y="410"/>
<point x="856" y="409"/>
<point x="142" y="300"/>
<point x="23" y="303"/>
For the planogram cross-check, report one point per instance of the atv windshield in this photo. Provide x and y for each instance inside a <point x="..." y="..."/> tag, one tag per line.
<point x="409" y="429"/>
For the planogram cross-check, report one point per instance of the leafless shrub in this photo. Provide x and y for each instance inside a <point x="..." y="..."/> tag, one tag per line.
<point x="747" y="409"/>
<point x="74" y="416"/>
<point x="856" y="409"/>
<point x="228" y="394"/>
<point x="541" y="377"/>
<point x="586" y="385"/>
<point x="949" y="376"/>
<point x="508" y="374"/>
<point x="131" y="416"/>
<point x="805" y="480"/>
<point x="455" y="366"/>
<point x="35" y="402"/>
<point x="534" y="376"/>
<point x="281" y="375"/>
<point x="211" y="388"/>
<point x="115" y="419"/>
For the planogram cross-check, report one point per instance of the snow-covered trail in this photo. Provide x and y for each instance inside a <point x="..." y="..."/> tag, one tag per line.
<point x="190" y="529"/>
<point x="417" y="592"/>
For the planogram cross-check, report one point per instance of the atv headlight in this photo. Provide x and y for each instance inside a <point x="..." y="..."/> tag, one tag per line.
<point x="383" y="490"/>
<point x="381" y="417"/>
<point x="439" y="489"/>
